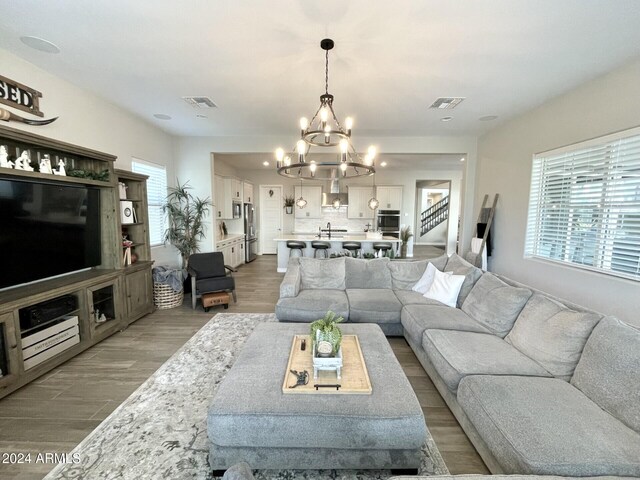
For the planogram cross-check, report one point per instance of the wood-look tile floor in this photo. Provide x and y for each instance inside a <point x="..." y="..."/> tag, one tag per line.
<point x="55" y="412"/>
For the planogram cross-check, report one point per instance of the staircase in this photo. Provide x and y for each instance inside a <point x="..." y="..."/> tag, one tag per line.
<point x="434" y="215"/>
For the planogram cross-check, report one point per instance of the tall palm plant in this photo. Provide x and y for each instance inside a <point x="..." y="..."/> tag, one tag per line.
<point x="185" y="214"/>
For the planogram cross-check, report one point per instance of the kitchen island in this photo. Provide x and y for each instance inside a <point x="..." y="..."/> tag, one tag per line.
<point x="336" y="244"/>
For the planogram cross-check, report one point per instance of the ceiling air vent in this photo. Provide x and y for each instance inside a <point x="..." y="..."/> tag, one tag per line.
<point x="446" y="102"/>
<point x="200" y="102"/>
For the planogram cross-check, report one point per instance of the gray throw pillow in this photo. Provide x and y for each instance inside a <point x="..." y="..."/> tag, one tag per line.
<point x="459" y="266"/>
<point x="495" y="304"/>
<point x="609" y="370"/>
<point x="552" y="334"/>
<point x="361" y="273"/>
<point x="405" y="274"/>
<point x="317" y="273"/>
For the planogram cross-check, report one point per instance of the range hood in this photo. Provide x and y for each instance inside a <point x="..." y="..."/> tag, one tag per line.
<point x="331" y="191"/>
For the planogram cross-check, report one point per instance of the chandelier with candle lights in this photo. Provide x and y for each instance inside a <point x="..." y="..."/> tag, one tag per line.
<point x="325" y="130"/>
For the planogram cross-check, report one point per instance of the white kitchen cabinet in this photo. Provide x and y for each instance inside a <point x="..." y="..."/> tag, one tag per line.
<point x="219" y="198"/>
<point x="313" y="195"/>
<point x="247" y="192"/>
<point x="232" y="251"/>
<point x="236" y="188"/>
<point x="359" y="202"/>
<point x="226" y="189"/>
<point x="389" y="196"/>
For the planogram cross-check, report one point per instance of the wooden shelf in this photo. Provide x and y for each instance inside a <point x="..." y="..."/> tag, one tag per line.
<point x="53" y="178"/>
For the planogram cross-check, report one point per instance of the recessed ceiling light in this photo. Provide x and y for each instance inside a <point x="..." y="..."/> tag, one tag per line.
<point x="162" y="116"/>
<point x="383" y="164"/>
<point x="446" y="119"/>
<point x="462" y="159"/>
<point x="40" y="44"/>
<point x="265" y="163"/>
<point x="199" y="115"/>
<point x="488" y="118"/>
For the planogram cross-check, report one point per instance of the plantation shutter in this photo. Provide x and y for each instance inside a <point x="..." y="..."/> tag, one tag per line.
<point x="156" y="196"/>
<point x="584" y="205"/>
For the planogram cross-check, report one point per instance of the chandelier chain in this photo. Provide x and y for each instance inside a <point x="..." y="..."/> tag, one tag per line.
<point x="326" y="72"/>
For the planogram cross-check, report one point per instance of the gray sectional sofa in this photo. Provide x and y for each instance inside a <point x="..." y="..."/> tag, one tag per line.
<point x="541" y="386"/>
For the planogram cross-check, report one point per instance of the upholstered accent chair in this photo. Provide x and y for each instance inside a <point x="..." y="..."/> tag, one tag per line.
<point x="209" y="274"/>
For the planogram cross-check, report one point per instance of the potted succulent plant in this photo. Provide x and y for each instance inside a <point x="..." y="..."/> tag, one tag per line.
<point x="405" y="236"/>
<point x="289" y="202"/>
<point x="326" y="331"/>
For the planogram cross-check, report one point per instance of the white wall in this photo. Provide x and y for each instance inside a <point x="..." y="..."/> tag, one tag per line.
<point x="604" y="105"/>
<point x="92" y="122"/>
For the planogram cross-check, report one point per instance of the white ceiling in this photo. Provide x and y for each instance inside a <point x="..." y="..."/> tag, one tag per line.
<point x="260" y="61"/>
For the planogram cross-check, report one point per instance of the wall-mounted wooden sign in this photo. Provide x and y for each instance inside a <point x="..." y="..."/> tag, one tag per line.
<point x="24" y="98"/>
<point x="19" y="96"/>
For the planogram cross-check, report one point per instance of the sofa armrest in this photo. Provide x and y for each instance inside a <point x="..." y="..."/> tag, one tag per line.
<point x="290" y="286"/>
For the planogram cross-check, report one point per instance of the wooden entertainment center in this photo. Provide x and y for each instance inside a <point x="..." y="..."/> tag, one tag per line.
<point x="105" y="299"/>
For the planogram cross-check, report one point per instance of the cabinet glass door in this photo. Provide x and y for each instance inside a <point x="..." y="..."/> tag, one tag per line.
<point x="103" y="307"/>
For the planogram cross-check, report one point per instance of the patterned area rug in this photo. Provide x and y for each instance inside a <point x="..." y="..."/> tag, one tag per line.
<point x="160" y="431"/>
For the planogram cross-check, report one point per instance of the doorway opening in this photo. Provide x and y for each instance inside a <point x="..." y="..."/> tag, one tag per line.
<point x="433" y="212"/>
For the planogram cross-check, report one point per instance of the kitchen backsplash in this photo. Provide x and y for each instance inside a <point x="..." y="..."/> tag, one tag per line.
<point x="337" y="218"/>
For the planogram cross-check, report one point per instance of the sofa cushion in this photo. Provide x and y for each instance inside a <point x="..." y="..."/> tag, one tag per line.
<point x="545" y="426"/>
<point x="459" y="266"/>
<point x="425" y="282"/>
<point x="552" y="334"/>
<point x="445" y="288"/>
<point x="455" y="355"/>
<point x="404" y="275"/>
<point x="361" y="273"/>
<point x="322" y="273"/>
<point x="409" y="297"/>
<point x="495" y="304"/>
<point x="417" y="318"/>
<point x="373" y="306"/>
<point x="609" y="370"/>
<point x="311" y="305"/>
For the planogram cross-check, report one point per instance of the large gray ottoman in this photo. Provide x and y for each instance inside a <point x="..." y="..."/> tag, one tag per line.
<point x="251" y="420"/>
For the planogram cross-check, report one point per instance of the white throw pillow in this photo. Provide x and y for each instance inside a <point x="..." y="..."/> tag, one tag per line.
<point x="427" y="279"/>
<point x="445" y="288"/>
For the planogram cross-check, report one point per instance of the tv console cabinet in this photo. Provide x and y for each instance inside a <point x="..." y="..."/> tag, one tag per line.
<point x="109" y="297"/>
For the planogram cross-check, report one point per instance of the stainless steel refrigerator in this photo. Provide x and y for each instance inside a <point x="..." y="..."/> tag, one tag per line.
<point x="250" y="239"/>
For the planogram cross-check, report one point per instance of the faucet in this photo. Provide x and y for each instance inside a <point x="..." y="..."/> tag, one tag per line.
<point x="329" y="225"/>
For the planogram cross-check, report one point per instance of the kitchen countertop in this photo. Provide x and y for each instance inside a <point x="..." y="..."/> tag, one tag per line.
<point x="348" y="237"/>
<point x="230" y="236"/>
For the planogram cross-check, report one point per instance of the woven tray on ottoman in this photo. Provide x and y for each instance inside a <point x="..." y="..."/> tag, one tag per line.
<point x="251" y="419"/>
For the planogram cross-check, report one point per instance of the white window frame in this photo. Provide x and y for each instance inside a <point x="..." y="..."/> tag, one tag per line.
<point x="155" y="202"/>
<point x="584" y="205"/>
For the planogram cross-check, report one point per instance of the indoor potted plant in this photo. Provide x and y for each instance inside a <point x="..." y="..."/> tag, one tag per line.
<point x="185" y="214"/>
<point x="405" y="235"/>
<point x="326" y="330"/>
<point x="289" y="202"/>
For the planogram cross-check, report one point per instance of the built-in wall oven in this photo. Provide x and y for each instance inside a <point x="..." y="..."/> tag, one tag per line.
<point x="388" y="222"/>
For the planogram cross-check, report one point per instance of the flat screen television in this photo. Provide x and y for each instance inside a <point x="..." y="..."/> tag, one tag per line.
<point x="47" y="229"/>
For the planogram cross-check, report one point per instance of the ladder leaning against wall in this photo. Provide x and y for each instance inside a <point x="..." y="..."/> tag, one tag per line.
<point x="486" y="214"/>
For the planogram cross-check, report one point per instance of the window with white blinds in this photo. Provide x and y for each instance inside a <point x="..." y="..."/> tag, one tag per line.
<point x="156" y="195"/>
<point x="584" y="206"/>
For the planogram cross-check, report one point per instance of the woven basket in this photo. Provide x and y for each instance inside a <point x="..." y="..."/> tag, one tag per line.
<point x="165" y="297"/>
